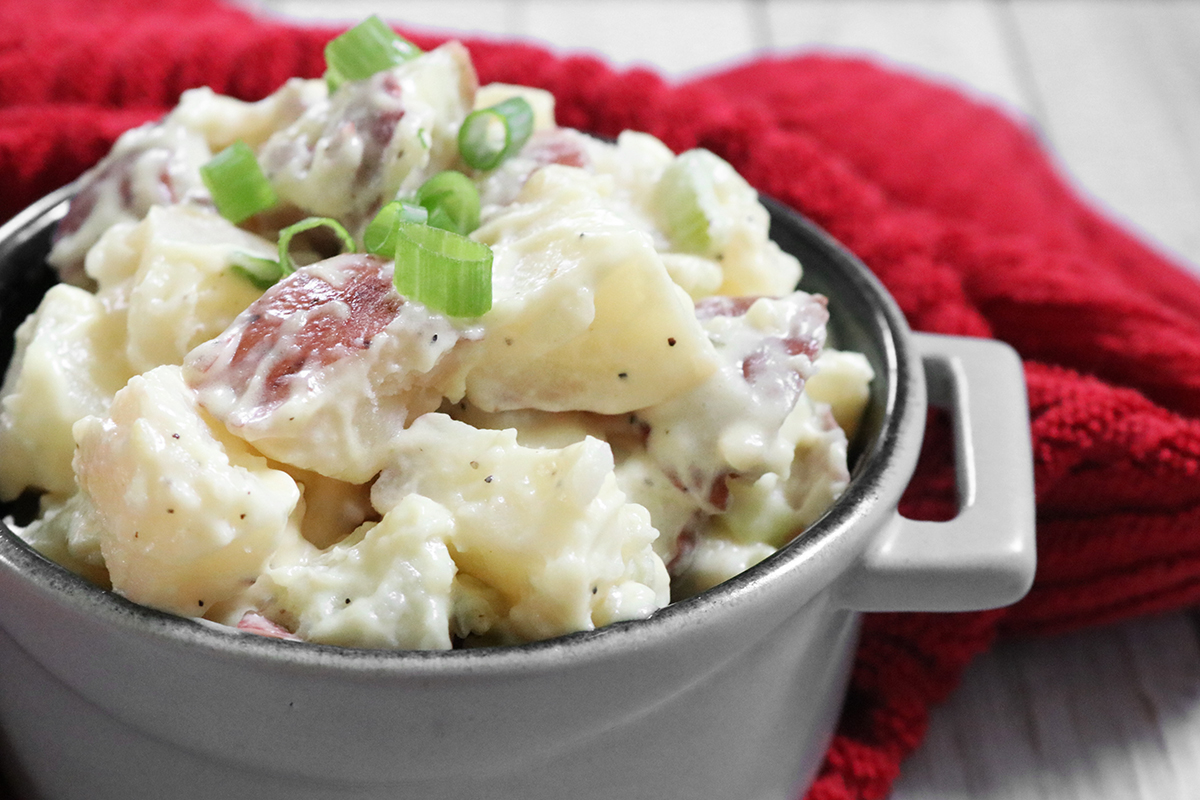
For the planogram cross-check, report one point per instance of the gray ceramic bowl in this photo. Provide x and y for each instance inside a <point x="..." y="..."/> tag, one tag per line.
<point x="731" y="695"/>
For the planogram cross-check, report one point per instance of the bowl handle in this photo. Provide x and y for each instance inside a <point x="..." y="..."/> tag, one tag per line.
<point x="984" y="557"/>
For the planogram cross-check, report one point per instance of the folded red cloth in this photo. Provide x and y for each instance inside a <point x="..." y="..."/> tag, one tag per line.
<point x="953" y="205"/>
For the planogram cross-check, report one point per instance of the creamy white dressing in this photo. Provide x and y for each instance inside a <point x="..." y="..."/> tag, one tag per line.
<point x="153" y="165"/>
<point x="311" y="381"/>
<point x="733" y="424"/>
<point x="637" y="417"/>
<point x="350" y="153"/>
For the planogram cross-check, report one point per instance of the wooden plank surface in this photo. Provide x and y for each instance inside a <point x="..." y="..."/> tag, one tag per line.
<point x="1118" y="88"/>
<point x="628" y="32"/>
<point x="964" y="43"/>
<point x="1114" y="90"/>
<point x="1106" y="713"/>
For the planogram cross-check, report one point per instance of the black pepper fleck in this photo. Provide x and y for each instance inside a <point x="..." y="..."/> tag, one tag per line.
<point x="622" y="375"/>
<point x="595" y="589"/>
<point x="435" y="337"/>
<point x="174" y="435"/>
<point x="201" y="602"/>
<point x="488" y="479"/>
<point x="347" y="601"/>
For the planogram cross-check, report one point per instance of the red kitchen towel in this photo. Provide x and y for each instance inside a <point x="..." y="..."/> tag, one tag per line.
<point x="952" y="203"/>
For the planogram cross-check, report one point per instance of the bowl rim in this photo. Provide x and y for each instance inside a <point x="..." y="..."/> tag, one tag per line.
<point x="876" y="482"/>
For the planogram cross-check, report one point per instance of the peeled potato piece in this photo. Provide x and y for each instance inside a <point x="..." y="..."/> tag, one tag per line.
<point x="585" y="315"/>
<point x="387" y="585"/>
<point x="190" y="514"/>
<point x="544" y="541"/>
<point x="67" y="365"/>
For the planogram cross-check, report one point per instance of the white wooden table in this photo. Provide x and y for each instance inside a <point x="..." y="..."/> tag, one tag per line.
<point x="1114" y="89"/>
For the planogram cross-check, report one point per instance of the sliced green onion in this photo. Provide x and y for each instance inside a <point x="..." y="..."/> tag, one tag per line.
<point x="492" y="134"/>
<point x="369" y="47"/>
<point x="285" y="239"/>
<point x="452" y="201"/>
<point x="262" y="272"/>
<point x="687" y="198"/>
<point x="443" y="270"/>
<point x="237" y="184"/>
<point x="380" y="236"/>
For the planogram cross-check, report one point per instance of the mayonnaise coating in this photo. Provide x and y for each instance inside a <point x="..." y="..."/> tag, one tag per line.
<point x="388" y="584"/>
<point x="190" y="513"/>
<point x="347" y="155"/>
<point x="68" y="364"/>
<point x="546" y="530"/>
<point x="320" y="370"/>
<point x="647" y="409"/>
<point x="584" y="316"/>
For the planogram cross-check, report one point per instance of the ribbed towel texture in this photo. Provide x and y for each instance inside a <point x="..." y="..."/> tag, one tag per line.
<point x="952" y="203"/>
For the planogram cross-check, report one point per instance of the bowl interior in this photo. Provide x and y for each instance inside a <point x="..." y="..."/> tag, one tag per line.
<point x="863" y="319"/>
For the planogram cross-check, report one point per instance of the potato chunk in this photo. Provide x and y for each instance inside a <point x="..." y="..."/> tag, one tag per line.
<point x="324" y="367"/>
<point x="386" y="585"/>
<point x="733" y="425"/>
<point x="374" y="140"/>
<point x="152" y="165"/>
<point x="223" y="120"/>
<point x="585" y="316"/>
<point x="190" y="513"/>
<point x="67" y="365"/>
<point x="544" y="540"/>
<point x="171" y="275"/>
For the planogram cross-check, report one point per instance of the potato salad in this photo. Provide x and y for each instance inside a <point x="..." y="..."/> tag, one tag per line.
<point x="391" y="360"/>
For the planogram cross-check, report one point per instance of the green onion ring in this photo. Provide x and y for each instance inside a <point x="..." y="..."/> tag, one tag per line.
<point x="452" y="201"/>
<point x="263" y="273"/>
<point x="370" y="46"/>
<point x="688" y="199"/>
<point x="236" y="182"/>
<point x="442" y="270"/>
<point x="285" y="239"/>
<point x="490" y="135"/>
<point x="380" y="236"/>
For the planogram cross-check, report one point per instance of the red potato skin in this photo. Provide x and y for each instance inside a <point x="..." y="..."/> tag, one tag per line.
<point x="256" y="623"/>
<point x="328" y="334"/>
<point x="117" y="172"/>
<point x="764" y="366"/>
<point x="553" y="147"/>
<point x="378" y="127"/>
<point x="766" y="370"/>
